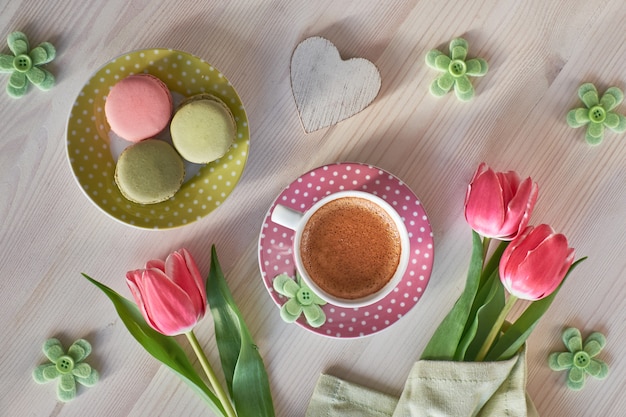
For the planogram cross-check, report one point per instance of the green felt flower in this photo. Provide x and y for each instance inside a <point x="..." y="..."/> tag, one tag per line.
<point x="69" y="368"/>
<point x="24" y="65"/>
<point x="598" y="112"/>
<point x="301" y="300"/>
<point x="456" y="70"/>
<point x="580" y="359"/>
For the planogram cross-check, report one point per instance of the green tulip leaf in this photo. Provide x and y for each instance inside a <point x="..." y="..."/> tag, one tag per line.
<point x="444" y="342"/>
<point x="474" y="323"/>
<point x="489" y="302"/>
<point x="243" y="366"/>
<point x="493" y="263"/>
<point x="164" y="348"/>
<point x="466" y="339"/>
<point x="515" y="336"/>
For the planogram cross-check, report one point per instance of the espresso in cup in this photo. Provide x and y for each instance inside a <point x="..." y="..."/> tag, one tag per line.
<point x="350" y="247"/>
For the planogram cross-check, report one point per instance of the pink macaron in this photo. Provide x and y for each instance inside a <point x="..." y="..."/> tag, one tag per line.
<point x="138" y="107"/>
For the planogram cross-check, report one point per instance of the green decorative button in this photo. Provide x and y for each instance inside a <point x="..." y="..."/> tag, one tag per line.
<point x="65" y="364"/>
<point x="597" y="114"/>
<point x="22" y="63"/>
<point x="457" y="68"/>
<point x="304" y="296"/>
<point x="581" y="359"/>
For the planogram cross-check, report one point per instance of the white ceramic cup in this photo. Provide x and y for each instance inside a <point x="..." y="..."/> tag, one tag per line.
<point x="297" y="221"/>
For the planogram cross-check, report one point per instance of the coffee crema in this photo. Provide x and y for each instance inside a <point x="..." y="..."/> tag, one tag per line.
<point x="350" y="248"/>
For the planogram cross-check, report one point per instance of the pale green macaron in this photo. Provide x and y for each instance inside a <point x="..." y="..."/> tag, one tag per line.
<point x="149" y="172"/>
<point x="203" y="129"/>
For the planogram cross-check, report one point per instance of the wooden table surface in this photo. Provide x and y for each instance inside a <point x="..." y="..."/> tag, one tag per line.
<point x="539" y="53"/>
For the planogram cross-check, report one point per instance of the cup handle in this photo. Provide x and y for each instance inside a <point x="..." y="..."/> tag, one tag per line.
<point x="286" y="217"/>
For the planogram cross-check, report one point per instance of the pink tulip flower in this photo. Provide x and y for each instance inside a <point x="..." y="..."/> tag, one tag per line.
<point x="499" y="204"/>
<point x="171" y="294"/>
<point x="535" y="263"/>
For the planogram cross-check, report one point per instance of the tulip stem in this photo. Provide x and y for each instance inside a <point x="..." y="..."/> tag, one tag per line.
<point x="497" y="326"/>
<point x="217" y="387"/>
<point x="486" y="242"/>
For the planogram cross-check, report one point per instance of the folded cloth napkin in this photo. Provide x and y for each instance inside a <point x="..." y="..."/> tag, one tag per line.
<point x="335" y="397"/>
<point x="434" y="389"/>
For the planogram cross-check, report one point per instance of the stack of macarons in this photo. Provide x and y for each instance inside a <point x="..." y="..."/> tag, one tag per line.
<point x="138" y="108"/>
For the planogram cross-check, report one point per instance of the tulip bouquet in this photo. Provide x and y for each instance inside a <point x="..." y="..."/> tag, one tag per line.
<point x="530" y="263"/>
<point x="171" y="297"/>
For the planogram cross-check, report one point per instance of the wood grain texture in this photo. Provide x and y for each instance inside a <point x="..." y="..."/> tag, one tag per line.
<point x="538" y="52"/>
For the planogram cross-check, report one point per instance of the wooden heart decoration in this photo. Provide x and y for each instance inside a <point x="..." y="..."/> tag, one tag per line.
<point x="328" y="89"/>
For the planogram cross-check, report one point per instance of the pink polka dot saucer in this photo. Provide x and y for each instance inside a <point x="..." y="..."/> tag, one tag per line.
<point x="276" y="246"/>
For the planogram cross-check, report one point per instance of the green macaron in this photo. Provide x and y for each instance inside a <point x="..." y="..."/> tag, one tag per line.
<point x="149" y="172"/>
<point x="202" y="129"/>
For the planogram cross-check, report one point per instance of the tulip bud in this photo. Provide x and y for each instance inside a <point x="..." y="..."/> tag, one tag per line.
<point x="498" y="204"/>
<point x="171" y="294"/>
<point x="535" y="263"/>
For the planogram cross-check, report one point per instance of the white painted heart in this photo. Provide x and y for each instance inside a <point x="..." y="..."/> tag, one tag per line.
<point x="328" y="89"/>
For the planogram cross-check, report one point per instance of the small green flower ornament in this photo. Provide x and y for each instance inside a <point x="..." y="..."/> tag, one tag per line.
<point x="69" y="368"/>
<point x="456" y="70"/>
<point x="24" y="65"/>
<point x="301" y="300"/>
<point x="598" y="112"/>
<point x="580" y="359"/>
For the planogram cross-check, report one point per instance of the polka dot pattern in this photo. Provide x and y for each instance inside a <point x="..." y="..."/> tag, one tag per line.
<point x="92" y="158"/>
<point x="276" y="245"/>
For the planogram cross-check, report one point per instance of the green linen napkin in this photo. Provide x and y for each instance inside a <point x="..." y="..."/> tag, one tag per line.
<point x="334" y="397"/>
<point x="434" y="389"/>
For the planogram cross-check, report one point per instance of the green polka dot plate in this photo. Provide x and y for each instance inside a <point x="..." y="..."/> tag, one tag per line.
<point x="92" y="147"/>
